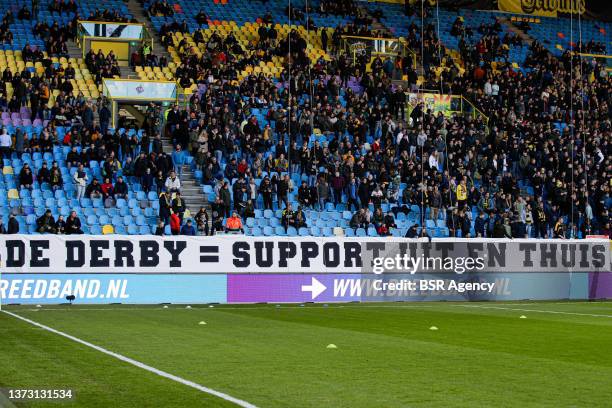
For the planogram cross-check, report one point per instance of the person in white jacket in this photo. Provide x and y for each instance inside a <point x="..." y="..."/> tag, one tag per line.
<point x="5" y="144"/>
<point x="173" y="183"/>
<point x="80" y="179"/>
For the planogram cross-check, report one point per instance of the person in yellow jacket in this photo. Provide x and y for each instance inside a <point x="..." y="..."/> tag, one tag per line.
<point x="461" y="193"/>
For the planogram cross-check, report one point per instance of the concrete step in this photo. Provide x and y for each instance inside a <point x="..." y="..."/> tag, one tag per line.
<point x="191" y="190"/>
<point x="74" y="51"/>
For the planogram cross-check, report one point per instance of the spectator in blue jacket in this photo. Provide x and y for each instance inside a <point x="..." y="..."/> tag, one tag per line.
<point x="188" y="229"/>
<point x="179" y="158"/>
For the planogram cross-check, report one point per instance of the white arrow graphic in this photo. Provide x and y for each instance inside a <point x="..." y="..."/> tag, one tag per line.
<point x="315" y="288"/>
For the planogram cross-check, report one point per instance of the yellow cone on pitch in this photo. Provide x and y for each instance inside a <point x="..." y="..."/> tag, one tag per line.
<point x="202" y="322"/>
<point x="523" y="317"/>
<point x="332" y="346"/>
<point x="433" y="328"/>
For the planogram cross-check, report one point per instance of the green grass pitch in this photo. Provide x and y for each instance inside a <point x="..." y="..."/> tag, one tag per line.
<point x="482" y="355"/>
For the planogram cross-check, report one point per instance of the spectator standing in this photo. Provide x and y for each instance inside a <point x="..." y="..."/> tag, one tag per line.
<point x="338" y="184"/>
<point x="13" y="225"/>
<point x="80" y="180"/>
<point x="179" y="158"/>
<point x="178" y="206"/>
<point x="165" y="207"/>
<point x="201" y="219"/>
<point x="226" y="198"/>
<point x="175" y="224"/>
<point x="265" y="189"/>
<point x="5" y="144"/>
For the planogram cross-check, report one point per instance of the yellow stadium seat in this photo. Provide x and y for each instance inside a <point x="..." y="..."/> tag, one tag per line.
<point x="13" y="194"/>
<point x="107" y="229"/>
<point x="7" y="170"/>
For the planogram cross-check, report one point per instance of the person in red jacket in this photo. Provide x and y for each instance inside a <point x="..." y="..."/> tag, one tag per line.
<point x="107" y="188"/>
<point x="175" y="224"/>
<point x="234" y="223"/>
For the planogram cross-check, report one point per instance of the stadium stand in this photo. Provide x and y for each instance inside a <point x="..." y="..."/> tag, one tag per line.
<point x="276" y="122"/>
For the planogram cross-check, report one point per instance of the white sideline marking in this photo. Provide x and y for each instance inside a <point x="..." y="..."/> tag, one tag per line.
<point x="535" y="310"/>
<point x="221" y="308"/>
<point x="138" y="364"/>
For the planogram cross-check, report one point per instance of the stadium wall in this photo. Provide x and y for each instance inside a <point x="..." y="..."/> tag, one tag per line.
<point x="44" y="269"/>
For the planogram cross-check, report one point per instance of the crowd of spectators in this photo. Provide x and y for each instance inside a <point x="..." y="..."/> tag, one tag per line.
<point x="109" y="15"/>
<point x="161" y="8"/>
<point x="6" y="36"/>
<point x="449" y="165"/>
<point x="537" y="166"/>
<point x="102" y="66"/>
<point x="60" y="6"/>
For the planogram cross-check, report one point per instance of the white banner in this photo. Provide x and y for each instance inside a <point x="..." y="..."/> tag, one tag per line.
<point x="112" y="30"/>
<point x="242" y="254"/>
<point x="126" y="89"/>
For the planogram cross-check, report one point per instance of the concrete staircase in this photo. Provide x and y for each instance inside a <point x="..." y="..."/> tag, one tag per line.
<point x="381" y="28"/>
<point x="127" y="72"/>
<point x="74" y="51"/>
<point x="137" y="10"/>
<point x="191" y="190"/>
